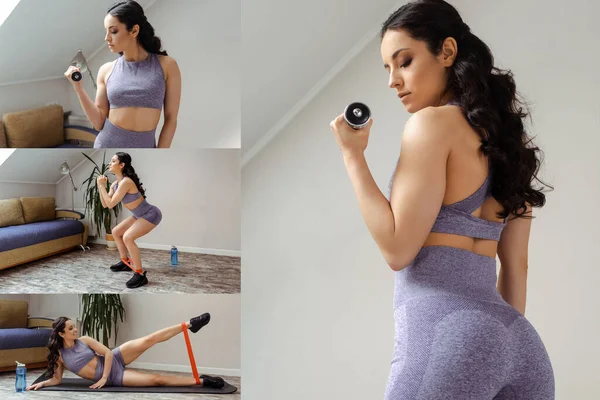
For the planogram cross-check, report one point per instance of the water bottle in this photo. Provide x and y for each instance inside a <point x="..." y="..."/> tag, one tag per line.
<point x="174" y="259"/>
<point x="21" y="382"/>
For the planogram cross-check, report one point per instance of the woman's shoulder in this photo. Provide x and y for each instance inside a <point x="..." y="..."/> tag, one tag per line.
<point x="105" y="69"/>
<point x="166" y="59"/>
<point x="433" y="123"/>
<point x="127" y="181"/>
<point x="168" y="64"/>
<point x="438" y="115"/>
<point x="107" y="66"/>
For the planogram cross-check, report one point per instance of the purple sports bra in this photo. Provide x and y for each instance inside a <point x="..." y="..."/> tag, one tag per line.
<point x="136" y="83"/>
<point x="78" y="356"/>
<point x="457" y="218"/>
<point x="129" y="197"/>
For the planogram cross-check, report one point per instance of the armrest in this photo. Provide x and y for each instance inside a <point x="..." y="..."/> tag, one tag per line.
<point x="39" y="322"/>
<point x="79" y="133"/>
<point x="69" y="214"/>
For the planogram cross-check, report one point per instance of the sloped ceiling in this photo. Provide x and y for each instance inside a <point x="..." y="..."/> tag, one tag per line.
<point x="40" y="37"/>
<point x="40" y="165"/>
<point x="289" y="46"/>
<point x="6" y="7"/>
<point x="5" y="154"/>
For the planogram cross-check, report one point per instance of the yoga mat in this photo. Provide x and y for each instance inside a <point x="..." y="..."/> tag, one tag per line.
<point x="83" y="385"/>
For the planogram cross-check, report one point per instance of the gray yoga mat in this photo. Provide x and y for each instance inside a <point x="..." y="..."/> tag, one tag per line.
<point x="83" y="385"/>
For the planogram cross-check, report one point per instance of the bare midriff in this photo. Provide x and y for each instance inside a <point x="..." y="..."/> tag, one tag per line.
<point x="137" y="119"/>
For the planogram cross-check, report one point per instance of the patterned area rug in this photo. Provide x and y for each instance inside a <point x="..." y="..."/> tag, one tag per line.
<point x="88" y="272"/>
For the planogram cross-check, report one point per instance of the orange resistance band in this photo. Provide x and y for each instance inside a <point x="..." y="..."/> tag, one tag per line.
<point x="129" y="262"/>
<point x="190" y="352"/>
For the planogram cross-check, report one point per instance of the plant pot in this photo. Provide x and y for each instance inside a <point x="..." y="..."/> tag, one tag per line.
<point x="110" y="242"/>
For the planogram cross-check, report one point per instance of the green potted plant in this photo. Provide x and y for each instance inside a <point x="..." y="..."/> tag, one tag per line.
<point x="100" y="216"/>
<point x="100" y="314"/>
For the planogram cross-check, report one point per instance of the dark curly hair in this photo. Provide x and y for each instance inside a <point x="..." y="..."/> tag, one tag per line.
<point x="131" y="13"/>
<point x="54" y="344"/>
<point x="129" y="171"/>
<point x="488" y="98"/>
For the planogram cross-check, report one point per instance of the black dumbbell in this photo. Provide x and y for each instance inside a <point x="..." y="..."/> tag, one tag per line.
<point x="357" y="115"/>
<point x="76" y="76"/>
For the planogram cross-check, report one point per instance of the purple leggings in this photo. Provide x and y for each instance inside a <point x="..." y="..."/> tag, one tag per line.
<point x="456" y="338"/>
<point x="148" y="212"/>
<point x="112" y="136"/>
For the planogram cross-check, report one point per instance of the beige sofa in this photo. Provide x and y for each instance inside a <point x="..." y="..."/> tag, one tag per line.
<point x="43" y="127"/>
<point x="32" y="228"/>
<point x="30" y="348"/>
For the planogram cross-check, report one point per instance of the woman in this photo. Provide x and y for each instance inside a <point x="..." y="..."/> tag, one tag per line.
<point x="133" y="88"/>
<point x="460" y="195"/>
<point x="128" y="189"/>
<point x="91" y="360"/>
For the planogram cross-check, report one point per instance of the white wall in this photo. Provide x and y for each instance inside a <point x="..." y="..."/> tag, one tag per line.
<point x="25" y="96"/>
<point x="204" y="38"/>
<point x="216" y="346"/>
<point x="11" y="190"/>
<point x="323" y="286"/>
<point x="48" y="305"/>
<point x="198" y="192"/>
<point x="54" y="306"/>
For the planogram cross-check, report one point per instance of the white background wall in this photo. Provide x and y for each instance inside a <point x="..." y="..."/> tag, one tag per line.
<point x="24" y="96"/>
<point x="54" y="306"/>
<point x="48" y="305"/>
<point x="315" y="276"/>
<point x="216" y="346"/>
<point x="198" y="192"/>
<point x="204" y="38"/>
<point x="11" y="190"/>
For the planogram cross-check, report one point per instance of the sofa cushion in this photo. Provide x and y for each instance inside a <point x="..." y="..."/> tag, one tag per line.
<point x="23" y="338"/>
<point x="15" y="237"/>
<point x="11" y="212"/>
<point x="37" y="209"/>
<point x="40" y="127"/>
<point x="13" y="314"/>
<point x="3" y="143"/>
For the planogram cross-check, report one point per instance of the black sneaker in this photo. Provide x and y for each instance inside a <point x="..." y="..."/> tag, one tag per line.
<point x="198" y="322"/>
<point x="137" y="280"/>
<point x="212" y="381"/>
<point x="120" y="266"/>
